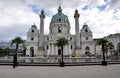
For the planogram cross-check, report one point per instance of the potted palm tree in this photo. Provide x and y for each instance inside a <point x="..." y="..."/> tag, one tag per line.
<point x="103" y="42"/>
<point x="61" y="42"/>
<point x="17" y="41"/>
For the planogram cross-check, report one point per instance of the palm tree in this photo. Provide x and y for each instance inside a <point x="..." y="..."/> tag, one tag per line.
<point x="17" y="41"/>
<point x="103" y="43"/>
<point x="60" y="43"/>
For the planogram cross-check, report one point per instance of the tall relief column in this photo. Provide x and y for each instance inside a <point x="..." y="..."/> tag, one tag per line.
<point x="41" y="50"/>
<point x="41" y="35"/>
<point x="77" y="35"/>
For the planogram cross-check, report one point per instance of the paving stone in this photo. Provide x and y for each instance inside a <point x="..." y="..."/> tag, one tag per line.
<point x="97" y="71"/>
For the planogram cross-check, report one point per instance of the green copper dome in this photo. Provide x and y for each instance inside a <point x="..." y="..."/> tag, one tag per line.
<point x="59" y="17"/>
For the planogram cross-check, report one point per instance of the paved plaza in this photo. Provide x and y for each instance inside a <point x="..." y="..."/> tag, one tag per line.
<point x="97" y="71"/>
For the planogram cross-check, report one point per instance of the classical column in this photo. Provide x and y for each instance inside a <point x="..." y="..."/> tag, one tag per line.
<point x="70" y="53"/>
<point x="56" y="50"/>
<point x="48" y="49"/>
<point x="77" y="35"/>
<point x="66" y="50"/>
<point x="52" y="49"/>
<point x="42" y="16"/>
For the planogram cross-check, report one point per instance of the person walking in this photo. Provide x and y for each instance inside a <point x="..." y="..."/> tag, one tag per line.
<point x="14" y="60"/>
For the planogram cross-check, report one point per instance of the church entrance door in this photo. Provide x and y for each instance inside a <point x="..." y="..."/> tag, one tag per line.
<point x="31" y="52"/>
<point x="59" y="51"/>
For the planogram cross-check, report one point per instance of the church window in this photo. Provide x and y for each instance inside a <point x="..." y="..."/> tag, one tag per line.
<point x="87" y="48"/>
<point x="71" y="38"/>
<point x="86" y="38"/>
<point x="71" y="46"/>
<point x="59" y="29"/>
<point x="59" y="51"/>
<point x="32" y="39"/>
<point x="59" y="20"/>
<point x="87" y="51"/>
<point x="86" y="30"/>
<point x="47" y="47"/>
<point x="32" y="30"/>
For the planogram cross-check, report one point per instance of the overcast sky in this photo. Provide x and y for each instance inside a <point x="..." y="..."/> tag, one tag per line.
<point x="17" y="16"/>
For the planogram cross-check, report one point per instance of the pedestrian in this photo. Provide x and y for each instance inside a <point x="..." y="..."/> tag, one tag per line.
<point x="14" y="60"/>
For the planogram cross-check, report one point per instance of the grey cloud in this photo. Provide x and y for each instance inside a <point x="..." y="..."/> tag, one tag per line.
<point x="113" y="4"/>
<point x="8" y="33"/>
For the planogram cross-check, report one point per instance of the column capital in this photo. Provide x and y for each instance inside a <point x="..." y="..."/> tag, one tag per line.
<point x="76" y="14"/>
<point x="42" y="15"/>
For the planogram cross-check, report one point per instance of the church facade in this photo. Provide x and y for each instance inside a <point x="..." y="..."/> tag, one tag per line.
<point x="39" y="44"/>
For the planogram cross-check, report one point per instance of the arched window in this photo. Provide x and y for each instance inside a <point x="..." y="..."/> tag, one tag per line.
<point x="87" y="48"/>
<point x="32" y="38"/>
<point x="59" y="29"/>
<point x="59" y="20"/>
<point x="87" y="51"/>
<point x="47" y="47"/>
<point x="32" y="30"/>
<point x="71" y="46"/>
<point x="86" y="38"/>
<point x="59" y="51"/>
<point x="86" y="30"/>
